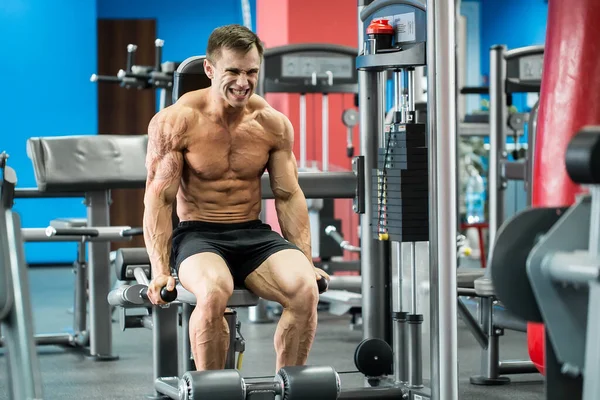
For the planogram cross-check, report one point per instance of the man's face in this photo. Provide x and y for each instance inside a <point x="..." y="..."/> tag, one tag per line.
<point x="234" y="74"/>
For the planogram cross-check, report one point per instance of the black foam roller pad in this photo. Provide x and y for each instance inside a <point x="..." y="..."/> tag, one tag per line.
<point x="583" y="156"/>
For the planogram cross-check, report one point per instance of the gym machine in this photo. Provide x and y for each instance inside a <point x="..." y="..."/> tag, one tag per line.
<point x="102" y="163"/>
<point x="24" y="377"/>
<point x="306" y="69"/>
<point x="515" y="71"/>
<point x="158" y="76"/>
<point x="545" y="268"/>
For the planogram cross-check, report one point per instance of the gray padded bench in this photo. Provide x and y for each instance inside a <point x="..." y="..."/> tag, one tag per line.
<point x="466" y="277"/>
<point x="93" y="165"/>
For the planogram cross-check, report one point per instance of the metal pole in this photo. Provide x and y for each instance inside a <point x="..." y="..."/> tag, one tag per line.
<point x="373" y="280"/>
<point x="441" y="116"/>
<point x="99" y="280"/>
<point x="325" y="133"/>
<point x="302" y="131"/>
<point x="497" y="122"/>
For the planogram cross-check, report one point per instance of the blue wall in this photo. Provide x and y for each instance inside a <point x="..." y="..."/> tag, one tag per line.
<point x="184" y="25"/>
<point x="514" y="23"/>
<point x="48" y="55"/>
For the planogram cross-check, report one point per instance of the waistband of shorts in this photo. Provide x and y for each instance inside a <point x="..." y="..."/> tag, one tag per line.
<point x="224" y="226"/>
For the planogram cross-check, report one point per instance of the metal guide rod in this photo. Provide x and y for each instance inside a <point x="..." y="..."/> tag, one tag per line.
<point x="302" y="130"/>
<point x="325" y="133"/>
<point x="442" y="211"/>
<point x="497" y="123"/>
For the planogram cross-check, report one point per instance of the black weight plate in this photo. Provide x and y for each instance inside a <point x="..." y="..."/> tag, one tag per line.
<point x="508" y="260"/>
<point x="373" y="357"/>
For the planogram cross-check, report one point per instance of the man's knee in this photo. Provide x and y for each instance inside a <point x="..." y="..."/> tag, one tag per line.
<point x="212" y="285"/>
<point x="305" y="296"/>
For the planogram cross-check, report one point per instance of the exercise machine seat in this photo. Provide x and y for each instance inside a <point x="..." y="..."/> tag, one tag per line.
<point x="88" y="163"/>
<point x="137" y="256"/>
<point x="189" y="76"/>
<point x="466" y="277"/>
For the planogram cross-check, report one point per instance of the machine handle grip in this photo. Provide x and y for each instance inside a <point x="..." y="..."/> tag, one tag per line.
<point x="322" y="284"/>
<point x="333" y="233"/>
<point x="132" y="232"/>
<point x="131" y="49"/>
<point x="52" y="231"/>
<point x="158" y="43"/>
<point x="105" y="78"/>
<point x="166" y="295"/>
<point x="350" y="151"/>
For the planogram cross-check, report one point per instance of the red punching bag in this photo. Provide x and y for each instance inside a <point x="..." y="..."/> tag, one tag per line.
<point x="569" y="100"/>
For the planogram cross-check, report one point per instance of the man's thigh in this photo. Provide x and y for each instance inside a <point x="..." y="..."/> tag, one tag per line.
<point x="206" y="273"/>
<point x="281" y="276"/>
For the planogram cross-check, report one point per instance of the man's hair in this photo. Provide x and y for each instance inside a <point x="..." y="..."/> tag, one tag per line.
<point x="234" y="37"/>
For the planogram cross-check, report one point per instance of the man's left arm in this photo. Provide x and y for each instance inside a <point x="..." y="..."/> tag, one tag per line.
<point x="290" y="203"/>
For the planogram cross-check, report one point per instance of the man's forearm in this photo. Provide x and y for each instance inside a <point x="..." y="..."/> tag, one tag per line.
<point x="293" y="220"/>
<point x="158" y="232"/>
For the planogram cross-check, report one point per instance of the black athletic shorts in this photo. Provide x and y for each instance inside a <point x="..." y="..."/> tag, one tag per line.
<point x="244" y="246"/>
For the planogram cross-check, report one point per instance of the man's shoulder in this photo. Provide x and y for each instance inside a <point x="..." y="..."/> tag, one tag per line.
<point x="270" y="118"/>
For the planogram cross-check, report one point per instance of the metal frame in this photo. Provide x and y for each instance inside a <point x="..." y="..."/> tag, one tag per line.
<point x="16" y="322"/>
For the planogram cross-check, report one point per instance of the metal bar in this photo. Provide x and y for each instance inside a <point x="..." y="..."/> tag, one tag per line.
<point x="400" y="347"/>
<point x="302" y="130"/>
<point x="325" y="133"/>
<point x="380" y="393"/>
<point x="517" y="367"/>
<point x="513" y="170"/>
<point x="230" y="317"/>
<point x="413" y="277"/>
<point x="35" y="193"/>
<point x="591" y="385"/>
<point x="26" y="381"/>
<point x="490" y="355"/>
<point x="415" y="353"/>
<point x="99" y="281"/>
<point x="105" y="234"/>
<point x="80" y="303"/>
<point x="442" y="210"/>
<point x="321" y="185"/>
<point x="572" y="267"/>
<point x="410" y="86"/>
<point x="187" y="361"/>
<point x="594" y="241"/>
<point x="168" y="386"/>
<point x="531" y="141"/>
<point x="472" y="324"/>
<point x="164" y="341"/>
<point x="497" y="122"/>
<point x="397" y="90"/>
<point x="341" y="282"/>
<point x="372" y="283"/>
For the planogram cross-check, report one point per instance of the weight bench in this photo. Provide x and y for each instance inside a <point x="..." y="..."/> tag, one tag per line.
<point x="133" y="264"/>
<point x="488" y="327"/>
<point x="93" y="165"/>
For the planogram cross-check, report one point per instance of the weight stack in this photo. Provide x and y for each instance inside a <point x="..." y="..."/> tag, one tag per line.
<point x="401" y="194"/>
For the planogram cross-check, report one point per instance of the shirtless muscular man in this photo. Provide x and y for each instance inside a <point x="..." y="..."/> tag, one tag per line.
<point x="208" y="151"/>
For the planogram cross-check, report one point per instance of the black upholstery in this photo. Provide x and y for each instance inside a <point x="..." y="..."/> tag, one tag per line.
<point x="583" y="156"/>
<point x="189" y="76"/>
<point x="88" y="163"/>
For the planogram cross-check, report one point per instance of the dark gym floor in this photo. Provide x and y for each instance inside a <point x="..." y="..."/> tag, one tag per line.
<point x="69" y="375"/>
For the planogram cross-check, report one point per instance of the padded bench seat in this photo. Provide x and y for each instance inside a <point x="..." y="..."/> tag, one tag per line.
<point x="62" y="223"/>
<point x="466" y="277"/>
<point x="137" y="256"/>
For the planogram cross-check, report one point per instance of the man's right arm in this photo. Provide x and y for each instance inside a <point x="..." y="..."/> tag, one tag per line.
<point x="164" y="163"/>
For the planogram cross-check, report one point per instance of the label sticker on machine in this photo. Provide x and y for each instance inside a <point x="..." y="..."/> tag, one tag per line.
<point x="298" y="66"/>
<point x="404" y="25"/>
